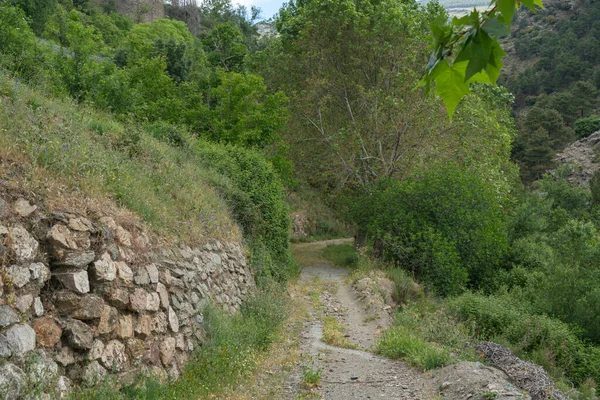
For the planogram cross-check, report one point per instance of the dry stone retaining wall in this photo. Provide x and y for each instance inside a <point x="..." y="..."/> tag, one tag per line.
<point x="81" y="298"/>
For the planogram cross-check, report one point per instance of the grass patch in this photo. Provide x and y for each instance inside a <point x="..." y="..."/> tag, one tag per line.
<point x="231" y="352"/>
<point x="334" y="333"/>
<point x="343" y="255"/>
<point x="399" y="343"/>
<point x="311" y="376"/>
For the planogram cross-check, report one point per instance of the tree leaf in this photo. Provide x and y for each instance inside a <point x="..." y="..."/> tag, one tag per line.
<point x="494" y="27"/>
<point x="481" y="47"/>
<point x="450" y="86"/>
<point x="507" y="9"/>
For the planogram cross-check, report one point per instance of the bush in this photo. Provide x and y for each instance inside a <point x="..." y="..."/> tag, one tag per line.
<point x="584" y="127"/>
<point x="447" y="227"/>
<point x="255" y="194"/>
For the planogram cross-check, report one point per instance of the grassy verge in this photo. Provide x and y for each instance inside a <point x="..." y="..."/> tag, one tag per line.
<point x="343" y="255"/>
<point x="233" y="350"/>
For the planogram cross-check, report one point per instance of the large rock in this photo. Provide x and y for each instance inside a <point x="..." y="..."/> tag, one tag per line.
<point x="167" y="350"/>
<point x="81" y="224"/>
<point x="79" y="334"/>
<point x="153" y="302"/>
<point x="66" y="302"/>
<point x="77" y="259"/>
<point x="23" y="303"/>
<point x="4" y="349"/>
<point x="125" y="327"/>
<point x="143" y="326"/>
<point x="109" y="320"/>
<point x="96" y="351"/>
<point x="39" y="272"/>
<point x="12" y="381"/>
<point x="104" y="269"/>
<point x="173" y="320"/>
<point x="7" y="316"/>
<point x="43" y="370"/>
<point x="62" y="236"/>
<point x="152" y="273"/>
<point x="74" y="279"/>
<point x="473" y="380"/>
<point x="114" y="357"/>
<point x="21" y="339"/>
<point x="38" y="307"/>
<point x="93" y="373"/>
<point x="47" y="331"/>
<point x="163" y="294"/>
<point x="19" y="275"/>
<point x="22" y="243"/>
<point x="90" y="307"/>
<point x="138" y="300"/>
<point x="142" y="277"/>
<point x="124" y="272"/>
<point x="24" y="208"/>
<point x="118" y="297"/>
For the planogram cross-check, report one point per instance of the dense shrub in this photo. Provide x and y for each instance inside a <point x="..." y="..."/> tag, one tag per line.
<point x="446" y="226"/>
<point x="584" y="127"/>
<point x="255" y="194"/>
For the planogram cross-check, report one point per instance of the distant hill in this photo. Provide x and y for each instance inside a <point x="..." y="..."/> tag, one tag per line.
<point x="461" y="7"/>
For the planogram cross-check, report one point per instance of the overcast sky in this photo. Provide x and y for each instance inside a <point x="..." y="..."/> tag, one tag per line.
<point x="268" y="7"/>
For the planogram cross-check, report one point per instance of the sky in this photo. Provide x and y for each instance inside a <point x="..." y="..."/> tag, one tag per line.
<point x="268" y="7"/>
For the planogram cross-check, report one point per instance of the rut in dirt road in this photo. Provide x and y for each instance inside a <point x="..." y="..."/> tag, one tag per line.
<point x="348" y="373"/>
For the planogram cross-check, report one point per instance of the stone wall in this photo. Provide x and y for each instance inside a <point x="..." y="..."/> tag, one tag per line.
<point x="82" y="298"/>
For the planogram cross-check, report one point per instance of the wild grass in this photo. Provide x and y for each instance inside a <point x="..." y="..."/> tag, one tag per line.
<point x="63" y="146"/>
<point x="334" y="333"/>
<point x="342" y="255"/>
<point x="399" y="343"/>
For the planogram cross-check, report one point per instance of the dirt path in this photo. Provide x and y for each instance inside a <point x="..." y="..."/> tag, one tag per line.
<point x="345" y="373"/>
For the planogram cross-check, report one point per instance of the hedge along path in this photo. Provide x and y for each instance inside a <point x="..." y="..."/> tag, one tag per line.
<point x="345" y="373"/>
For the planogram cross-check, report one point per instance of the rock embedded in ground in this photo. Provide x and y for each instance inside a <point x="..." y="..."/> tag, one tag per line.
<point x="24" y="208"/>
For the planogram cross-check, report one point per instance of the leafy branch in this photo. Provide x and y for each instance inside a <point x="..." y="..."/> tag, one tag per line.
<point x="467" y="50"/>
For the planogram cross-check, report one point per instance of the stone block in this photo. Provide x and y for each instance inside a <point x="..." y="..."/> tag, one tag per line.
<point x="93" y="373"/>
<point x="118" y="297"/>
<point x="125" y="327"/>
<point x="96" y="351"/>
<point x="104" y="269"/>
<point x="23" y="208"/>
<point x="19" y="275"/>
<point x="23" y="303"/>
<point x="114" y="356"/>
<point x="109" y="320"/>
<point x="79" y="335"/>
<point x="38" y="307"/>
<point x="12" y="381"/>
<point x="76" y="259"/>
<point x="167" y="350"/>
<point x="138" y="301"/>
<point x="74" y="279"/>
<point x="39" y="272"/>
<point x="21" y="339"/>
<point x="124" y="272"/>
<point x="173" y="320"/>
<point x="47" y="331"/>
<point x="7" y="316"/>
<point x="22" y="243"/>
<point x="163" y="294"/>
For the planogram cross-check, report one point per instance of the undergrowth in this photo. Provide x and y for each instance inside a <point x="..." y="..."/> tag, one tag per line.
<point x="342" y="255"/>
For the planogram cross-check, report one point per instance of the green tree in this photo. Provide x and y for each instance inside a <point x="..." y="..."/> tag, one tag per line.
<point x="38" y="11"/>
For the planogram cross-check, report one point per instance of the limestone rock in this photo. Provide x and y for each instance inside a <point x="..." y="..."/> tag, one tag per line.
<point x="76" y="259"/>
<point x="153" y="302"/>
<point x="23" y="244"/>
<point x="12" y="381"/>
<point x="7" y="316"/>
<point x="24" y="208"/>
<point x="43" y="371"/>
<point x="93" y="373"/>
<point x="63" y="386"/>
<point x="21" y="339"/>
<point x="152" y="273"/>
<point x="47" y="331"/>
<point x="74" y="279"/>
<point x="135" y="348"/>
<point x="19" y="275"/>
<point x="114" y="357"/>
<point x="138" y="300"/>
<point x="167" y="350"/>
<point x="60" y="235"/>
<point x="97" y="350"/>
<point x="23" y="303"/>
<point x="125" y="327"/>
<point x="173" y="320"/>
<point x="142" y="277"/>
<point x="4" y="349"/>
<point x="125" y="273"/>
<point x="159" y="323"/>
<point x="81" y="224"/>
<point x="118" y="298"/>
<point x="38" y="307"/>
<point x="104" y="269"/>
<point x="163" y="294"/>
<point x="79" y="334"/>
<point x="123" y="236"/>
<point x="39" y="272"/>
<point x="65" y="302"/>
<point x="143" y="326"/>
<point x="65" y="357"/>
<point x="109" y="320"/>
<point x="90" y="307"/>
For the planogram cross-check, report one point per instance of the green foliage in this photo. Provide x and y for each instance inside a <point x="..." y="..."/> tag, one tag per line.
<point x="474" y="40"/>
<point x="399" y="342"/>
<point x="38" y="11"/>
<point x="255" y="195"/>
<point x="584" y="127"/>
<point x="343" y="255"/>
<point x="446" y="227"/>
